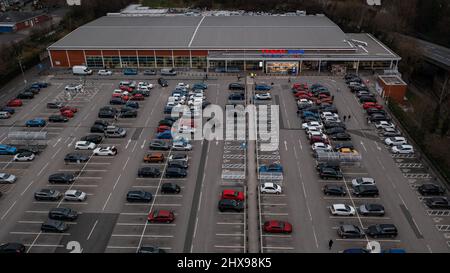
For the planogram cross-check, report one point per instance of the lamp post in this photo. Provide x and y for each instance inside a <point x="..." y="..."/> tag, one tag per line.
<point x="21" y="69"/>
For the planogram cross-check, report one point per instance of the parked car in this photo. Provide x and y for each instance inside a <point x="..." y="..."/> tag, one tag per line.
<point x="350" y="231"/>
<point x="274" y="226"/>
<point x="54" y="226"/>
<point x="25" y="95"/>
<point x="36" y="122"/>
<point x="329" y="173"/>
<point x="12" y="248"/>
<point x="154" y="158"/>
<point x="262" y="87"/>
<point x="139" y="196"/>
<point x="431" y="189"/>
<point x="164" y="135"/>
<point x="365" y="190"/>
<point x="363" y="181"/>
<point x="75" y="195"/>
<point x="47" y="195"/>
<point x="382" y="230"/>
<point x="104" y="72"/>
<point x="7" y="150"/>
<point x="75" y="158"/>
<point x="178" y="157"/>
<point x="8" y="109"/>
<point x="149" y="172"/>
<point x="175" y="173"/>
<point x="163" y="82"/>
<point x="334" y="190"/>
<point x="61" y="178"/>
<point x="158" y="145"/>
<point x="161" y="216"/>
<point x="73" y="87"/>
<point x="6" y="178"/>
<point x="402" y="149"/>
<point x="24" y="156"/>
<point x="270" y="188"/>
<point x="273" y="168"/>
<point x="371" y="210"/>
<point x="96" y="139"/>
<point x="128" y="113"/>
<point x="383" y="124"/>
<point x="105" y="151"/>
<point x="437" y="203"/>
<point x="236" y="86"/>
<point x="115" y="132"/>
<point x="97" y="128"/>
<point x="395" y="141"/>
<point x="4" y="115"/>
<point x="14" y="103"/>
<point x="150" y="72"/>
<point x="342" y="210"/>
<point x="340" y="136"/>
<point x="230" y="205"/>
<point x="106" y="114"/>
<point x="63" y="214"/>
<point x="170" y="188"/>
<point x="130" y="71"/>
<point x="57" y="118"/>
<point x="232" y="194"/>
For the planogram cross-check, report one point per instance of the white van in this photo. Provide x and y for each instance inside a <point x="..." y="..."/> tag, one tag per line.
<point x="168" y="72"/>
<point x="81" y="70"/>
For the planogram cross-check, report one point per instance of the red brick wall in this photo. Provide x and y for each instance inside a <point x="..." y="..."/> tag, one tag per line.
<point x="59" y="58"/>
<point x="76" y="57"/>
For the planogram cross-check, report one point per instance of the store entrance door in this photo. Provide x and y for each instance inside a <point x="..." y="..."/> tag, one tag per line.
<point x="290" y="68"/>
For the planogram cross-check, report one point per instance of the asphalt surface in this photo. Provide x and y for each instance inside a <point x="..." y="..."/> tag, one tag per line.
<point x="108" y="223"/>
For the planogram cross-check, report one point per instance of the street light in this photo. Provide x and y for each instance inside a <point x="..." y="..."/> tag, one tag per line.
<point x="21" y="69"/>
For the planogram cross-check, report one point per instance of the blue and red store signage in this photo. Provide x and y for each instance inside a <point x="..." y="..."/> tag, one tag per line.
<point x="278" y="52"/>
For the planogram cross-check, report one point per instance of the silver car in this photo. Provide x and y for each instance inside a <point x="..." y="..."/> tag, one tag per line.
<point x="6" y="178"/>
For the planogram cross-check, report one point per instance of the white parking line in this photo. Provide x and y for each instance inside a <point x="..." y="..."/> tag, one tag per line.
<point x="279" y="247"/>
<point x="139" y="235"/>
<point x="6" y="213"/>
<point x="228" y="246"/>
<point x="142" y="224"/>
<point x="92" y="230"/>
<point x="107" y="200"/>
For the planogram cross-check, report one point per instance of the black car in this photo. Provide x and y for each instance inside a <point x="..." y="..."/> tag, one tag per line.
<point x="54" y="226"/>
<point x="97" y="128"/>
<point x="106" y="114"/>
<point x="165" y="122"/>
<point x="382" y="230"/>
<point x="364" y="93"/>
<point x="349" y="76"/>
<point x="63" y="214"/>
<point x="353" y="79"/>
<point x="34" y="90"/>
<point x="57" y="118"/>
<point x="324" y="165"/>
<point x="329" y="108"/>
<point x="330" y="173"/>
<point x="332" y="124"/>
<point x="12" y="248"/>
<point x="175" y="172"/>
<point x="132" y="105"/>
<point x="437" y="203"/>
<point x="430" y="189"/>
<point x="8" y="109"/>
<point x="33" y="150"/>
<point x="59" y="178"/>
<point x="236" y="86"/>
<point x="364" y="99"/>
<point x="346" y="144"/>
<point x="178" y="164"/>
<point x="371" y="210"/>
<point x="334" y="190"/>
<point x="117" y="101"/>
<point x="159" y="145"/>
<point x="128" y="113"/>
<point x="230" y="205"/>
<point x="334" y="130"/>
<point x="163" y="82"/>
<point x="150" y="249"/>
<point x="378" y="117"/>
<point x="47" y="195"/>
<point x="357" y="88"/>
<point x="139" y="196"/>
<point x="75" y="158"/>
<point x="101" y="122"/>
<point x="365" y="190"/>
<point x="341" y="136"/>
<point x="55" y="105"/>
<point x="92" y="138"/>
<point x="371" y="111"/>
<point x="150" y="72"/>
<point x="350" y="231"/>
<point x="236" y="96"/>
<point x="25" y="95"/>
<point x="149" y="172"/>
<point x="170" y="188"/>
<point x="108" y="108"/>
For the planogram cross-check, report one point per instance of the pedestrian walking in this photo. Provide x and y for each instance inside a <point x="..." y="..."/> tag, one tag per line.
<point x="345" y="117"/>
<point x="289" y="80"/>
<point x="348" y="118"/>
<point x="206" y="76"/>
<point x="330" y="244"/>
<point x="332" y="98"/>
<point x="115" y="117"/>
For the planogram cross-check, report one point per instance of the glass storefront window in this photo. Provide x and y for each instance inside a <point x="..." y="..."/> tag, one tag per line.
<point x="112" y="61"/>
<point x="198" y="62"/>
<point x="236" y="65"/>
<point x="129" y="61"/>
<point x="164" y="61"/>
<point x="282" y="67"/>
<point x="253" y="65"/>
<point x="182" y="61"/>
<point x="94" y="61"/>
<point x="146" y="61"/>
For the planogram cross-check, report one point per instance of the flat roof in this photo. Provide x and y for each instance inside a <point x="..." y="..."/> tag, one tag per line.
<point x="206" y="32"/>
<point x="12" y="17"/>
<point x="392" y="80"/>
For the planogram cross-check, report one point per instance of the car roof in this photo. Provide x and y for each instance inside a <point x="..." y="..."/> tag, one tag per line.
<point x="71" y="191"/>
<point x="339" y="206"/>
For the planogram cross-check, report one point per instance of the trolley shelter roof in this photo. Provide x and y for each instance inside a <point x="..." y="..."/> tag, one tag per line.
<point x="208" y="32"/>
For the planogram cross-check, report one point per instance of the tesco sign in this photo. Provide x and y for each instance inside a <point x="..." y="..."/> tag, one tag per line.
<point x="282" y="51"/>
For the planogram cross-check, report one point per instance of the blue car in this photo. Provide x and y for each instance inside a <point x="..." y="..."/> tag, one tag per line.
<point x="8" y="109"/>
<point x="309" y="114"/>
<point x="37" y="122"/>
<point x="356" y="250"/>
<point x="272" y="168"/>
<point x="394" y="250"/>
<point x="200" y="85"/>
<point x="130" y="71"/>
<point x="40" y="84"/>
<point x="132" y="104"/>
<point x="7" y="150"/>
<point x="263" y="87"/>
<point x="164" y="135"/>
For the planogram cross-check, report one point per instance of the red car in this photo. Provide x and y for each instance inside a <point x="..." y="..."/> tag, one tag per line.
<point x="161" y="216"/>
<point x="163" y="128"/>
<point x="368" y="105"/>
<point x="65" y="108"/>
<point x="324" y="101"/>
<point x="315" y="139"/>
<point x="232" y="195"/>
<point x="117" y="95"/>
<point x="302" y="93"/>
<point x="300" y="86"/>
<point x="125" y="88"/>
<point x="14" y="103"/>
<point x="277" y="227"/>
<point x="137" y="97"/>
<point x="67" y="114"/>
<point x="323" y="96"/>
<point x="126" y="97"/>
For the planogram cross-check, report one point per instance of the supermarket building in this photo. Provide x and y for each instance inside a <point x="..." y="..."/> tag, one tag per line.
<point x="271" y="44"/>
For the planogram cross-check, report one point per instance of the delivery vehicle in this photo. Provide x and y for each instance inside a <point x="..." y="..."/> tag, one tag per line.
<point x="81" y="70"/>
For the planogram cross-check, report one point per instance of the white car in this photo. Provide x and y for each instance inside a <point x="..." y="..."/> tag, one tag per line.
<point x="304" y="102"/>
<point x="85" y="145"/>
<point x="317" y="133"/>
<point x="391" y="141"/>
<point x="26" y="156"/>
<point x="264" y="96"/>
<point x="329" y="114"/>
<point x="186" y="130"/>
<point x="145" y="85"/>
<point x="363" y="181"/>
<point x="384" y="124"/>
<point x="104" y="72"/>
<point x="270" y="188"/>
<point x="178" y="157"/>
<point x="319" y="146"/>
<point x="6" y="178"/>
<point x="198" y="95"/>
<point x="330" y="119"/>
<point x="110" y="150"/>
<point x="312" y="124"/>
<point x="342" y="210"/>
<point x="313" y="129"/>
<point x="196" y="101"/>
<point x="118" y="92"/>
<point x="402" y="149"/>
<point x="182" y="85"/>
<point x="181" y="146"/>
<point x="75" y="195"/>
<point x="73" y="87"/>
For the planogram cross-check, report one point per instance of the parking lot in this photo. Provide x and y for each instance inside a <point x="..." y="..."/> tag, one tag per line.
<point x="109" y="223"/>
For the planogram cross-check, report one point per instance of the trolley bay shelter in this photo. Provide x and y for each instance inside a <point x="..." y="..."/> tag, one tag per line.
<point x="266" y="43"/>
